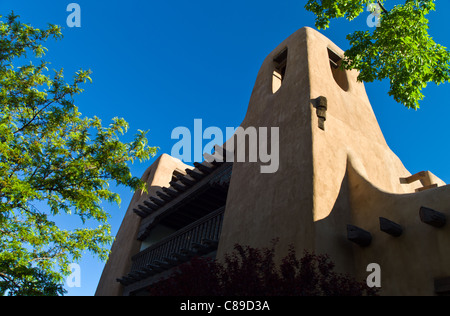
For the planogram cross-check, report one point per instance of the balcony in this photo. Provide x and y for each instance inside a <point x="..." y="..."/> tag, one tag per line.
<point x="199" y="238"/>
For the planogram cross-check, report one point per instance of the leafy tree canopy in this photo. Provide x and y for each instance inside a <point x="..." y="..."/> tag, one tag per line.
<point x="50" y="153"/>
<point x="399" y="49"/>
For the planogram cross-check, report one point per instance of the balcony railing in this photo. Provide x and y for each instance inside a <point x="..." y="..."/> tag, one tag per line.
<point x="198" y="238"/>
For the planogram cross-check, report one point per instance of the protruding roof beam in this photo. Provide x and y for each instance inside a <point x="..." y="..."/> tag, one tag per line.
<point x="359" y="236"/>
<point x="186" y="181"/>
<point x="140" y="213"/>
<point x="432" y="217"/>
<point x="157" y="201"/>
<point x="203" y="167"/>
<point x="163" y="196"/>
<point x="170" y="192"/>
<point x="390" y="227"/>
<point x="194" y="174"/>
<point x="151" y="205"/>
<point x="177" y="186"/>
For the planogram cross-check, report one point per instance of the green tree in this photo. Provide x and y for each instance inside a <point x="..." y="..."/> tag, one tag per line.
<point x="51" y="154"/>
<point x="399" y="49"/>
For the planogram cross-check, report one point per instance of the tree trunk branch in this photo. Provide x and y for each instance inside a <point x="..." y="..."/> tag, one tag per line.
<point x="382" y="7"/>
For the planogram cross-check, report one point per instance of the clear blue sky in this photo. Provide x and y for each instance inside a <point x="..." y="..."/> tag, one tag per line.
<point x="162" y="64"/>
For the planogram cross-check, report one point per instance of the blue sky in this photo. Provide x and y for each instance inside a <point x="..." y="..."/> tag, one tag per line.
<point x="162" y="64"/>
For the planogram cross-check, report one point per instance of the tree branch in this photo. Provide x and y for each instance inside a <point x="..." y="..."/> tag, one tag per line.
<point x="9" y="279"/>
<point x="34" y="117"/>
<point x="382" y="7"/>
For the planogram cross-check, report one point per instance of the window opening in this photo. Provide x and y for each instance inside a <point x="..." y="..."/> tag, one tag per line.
<point x="280" y="62"/>
<point x="339" y="75"/>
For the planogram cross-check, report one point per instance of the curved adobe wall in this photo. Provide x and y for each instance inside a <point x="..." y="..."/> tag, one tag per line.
<point x="351" y="129"/>
<point x="412" y="262"/>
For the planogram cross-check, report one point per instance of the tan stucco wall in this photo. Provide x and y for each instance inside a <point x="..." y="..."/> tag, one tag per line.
<point x="310" y="200"/>
<point x="351" y="130"/>
<point x="261" y="207"/>
<point x="125" y="245"/>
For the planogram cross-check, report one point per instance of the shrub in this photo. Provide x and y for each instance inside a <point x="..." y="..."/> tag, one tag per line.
<point x="249" y="271"/>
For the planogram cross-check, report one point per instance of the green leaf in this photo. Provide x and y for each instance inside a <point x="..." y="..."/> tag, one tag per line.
<point x="399" y="50"/>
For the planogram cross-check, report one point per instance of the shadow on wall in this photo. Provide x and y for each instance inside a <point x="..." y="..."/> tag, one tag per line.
<point x="413" y="258"/>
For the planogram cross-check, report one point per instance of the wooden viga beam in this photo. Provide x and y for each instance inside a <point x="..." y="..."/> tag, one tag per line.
<point x="390" y="227"/>
<point x="359" y="236"/>
<point x="432" y="217"/>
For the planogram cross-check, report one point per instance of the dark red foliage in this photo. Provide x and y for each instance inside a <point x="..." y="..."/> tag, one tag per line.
<point x="252" y="272"/>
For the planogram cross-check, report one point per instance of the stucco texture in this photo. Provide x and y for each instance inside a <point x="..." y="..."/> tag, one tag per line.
<point x="344" y="173"/>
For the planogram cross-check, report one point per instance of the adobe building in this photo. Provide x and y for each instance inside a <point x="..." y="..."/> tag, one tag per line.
<point x="339" y="189"/>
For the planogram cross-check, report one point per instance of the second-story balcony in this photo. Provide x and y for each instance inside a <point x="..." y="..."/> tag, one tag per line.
<point x="199" y="238"/>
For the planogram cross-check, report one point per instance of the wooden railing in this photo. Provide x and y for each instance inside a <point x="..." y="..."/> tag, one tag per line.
<point x="200" y="236"/>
